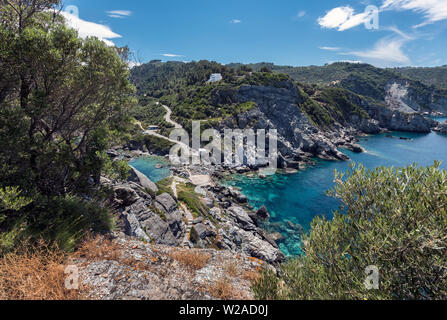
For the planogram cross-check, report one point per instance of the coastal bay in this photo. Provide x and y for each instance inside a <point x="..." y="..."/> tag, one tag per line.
<point x="299" y="198"/>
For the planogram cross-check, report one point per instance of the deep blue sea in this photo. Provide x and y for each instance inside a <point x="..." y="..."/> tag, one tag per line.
<point x="300" y="197"/>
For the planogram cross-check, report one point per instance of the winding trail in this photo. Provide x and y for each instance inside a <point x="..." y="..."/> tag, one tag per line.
<point x="187" y="214"/>
<point x="198" y="180"/>
<point x="170" y="121"/>
<point x="168" y="117"/>
<point x="189" y="224"/>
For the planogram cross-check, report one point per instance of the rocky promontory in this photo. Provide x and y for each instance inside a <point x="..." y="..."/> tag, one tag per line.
<point x="442" y="127"/>
<point x="157" y="217"/>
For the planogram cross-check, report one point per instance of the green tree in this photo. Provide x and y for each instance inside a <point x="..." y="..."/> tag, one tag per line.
<point x="63" y="101"/>
<point x="11" y="200"/>
<point x="394" y="219"/>
<point x="265" y="70"/>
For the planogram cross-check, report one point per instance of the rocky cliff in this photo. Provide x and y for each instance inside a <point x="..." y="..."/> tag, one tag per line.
<point x="128" y="269"/>
<point x="149" y="215"/>
<point x="283" y="107"/>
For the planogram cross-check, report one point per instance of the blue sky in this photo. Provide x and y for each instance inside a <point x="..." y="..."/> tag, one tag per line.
<point x="286" y="32"/>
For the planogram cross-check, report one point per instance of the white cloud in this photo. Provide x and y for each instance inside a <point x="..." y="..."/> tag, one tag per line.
<point x="343" y="18"/>
<point x="132" y="64"/>
<point x="171" y="55"/>
<point x="90" y="29"/>
<point x="399" y="32"/>
<point x="120" y="14"/>
<point x="385" y="52"/>
<point x="301" y="14"/>
<point x="235" y="21"/>
<point x="434" y="10"/>
<point x="330" y="48"/>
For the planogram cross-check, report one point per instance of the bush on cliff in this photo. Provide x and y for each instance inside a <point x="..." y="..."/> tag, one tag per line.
<point x="393" y="219"/>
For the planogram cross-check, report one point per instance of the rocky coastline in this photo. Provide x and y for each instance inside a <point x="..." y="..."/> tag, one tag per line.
<point x="230" y="223"/>
<point x="159" y="218"/>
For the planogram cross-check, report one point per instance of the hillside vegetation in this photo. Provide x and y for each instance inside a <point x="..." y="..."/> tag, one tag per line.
<point x="436" y="76"/>
<point x="184" y="88"/>
<point x="363" y="79"/>
<point x="330" y="89"/>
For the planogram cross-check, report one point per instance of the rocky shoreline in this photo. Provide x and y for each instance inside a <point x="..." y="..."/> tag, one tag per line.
<point x="229" y="222"/>
<point x="159" y="218"/>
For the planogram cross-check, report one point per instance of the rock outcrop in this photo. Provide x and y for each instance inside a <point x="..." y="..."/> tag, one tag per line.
<point x="280" y="107"/>
<point x="140" y="271"/>
<point x="409" y="96"/>
<point x="398" y="121"/>
<point x="158" y="219"/>
<point x="442" y="128"/>
<point x="138" y="177"/>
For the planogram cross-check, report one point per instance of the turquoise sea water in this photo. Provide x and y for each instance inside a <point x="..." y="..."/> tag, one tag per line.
<point x="147" y="166"/>
<point x="300" y="197"/>
<point x="295" y="200"/>
<point x="440" y="119"/>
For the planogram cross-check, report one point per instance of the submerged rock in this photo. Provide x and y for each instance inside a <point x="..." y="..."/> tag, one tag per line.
<point x="277" y="237"/>
<point x="263" y="213"/>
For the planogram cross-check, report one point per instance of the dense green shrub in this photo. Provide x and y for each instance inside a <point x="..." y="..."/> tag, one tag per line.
<point x="157" y="145"/>
<point x="316" y="113"/>
<point x="64" y="102"/>
<point x="63" y="221"/>
<point x="394" y="219"/>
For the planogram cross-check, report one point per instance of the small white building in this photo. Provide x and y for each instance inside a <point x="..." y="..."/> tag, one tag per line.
<point x="153" y="128"/>
<point x="215" y="77"/>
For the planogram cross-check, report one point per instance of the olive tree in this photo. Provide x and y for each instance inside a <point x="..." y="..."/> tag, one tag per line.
<point x="391" y="220"/>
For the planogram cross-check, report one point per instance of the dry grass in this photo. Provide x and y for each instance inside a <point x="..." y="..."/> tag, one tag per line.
<point x="98" y="248"/>
<point x="35" y="274"/>
<point x="194" y="259"/>
<point x="251" y="275"/>
<point x="231" y="269"/>
<point x="224" y="290"/>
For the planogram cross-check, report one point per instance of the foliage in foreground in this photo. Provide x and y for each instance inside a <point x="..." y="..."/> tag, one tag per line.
<point x="63" y="102"/>
<point x="394" y="219"/>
